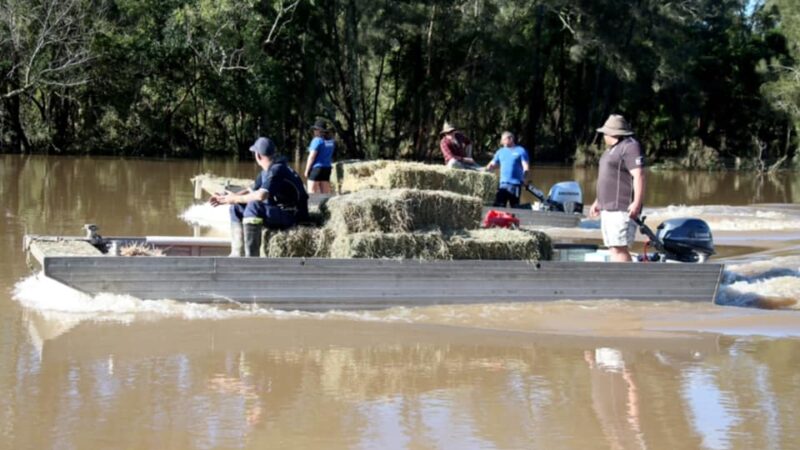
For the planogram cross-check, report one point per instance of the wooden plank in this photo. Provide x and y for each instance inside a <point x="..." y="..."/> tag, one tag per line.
<point x="301" y="283"/>
<point x="41" y="248"/>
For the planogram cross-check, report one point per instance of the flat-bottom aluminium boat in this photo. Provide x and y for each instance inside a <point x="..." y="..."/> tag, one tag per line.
<point x="196" y="270"/>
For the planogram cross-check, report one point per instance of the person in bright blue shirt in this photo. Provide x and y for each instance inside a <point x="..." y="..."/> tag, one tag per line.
<point x="320" y="159"/>
<point x="513" y="162"/>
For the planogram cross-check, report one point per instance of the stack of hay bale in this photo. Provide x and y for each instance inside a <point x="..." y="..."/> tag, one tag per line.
<point x="383" y="217"/>
<point x="354" y="176"/>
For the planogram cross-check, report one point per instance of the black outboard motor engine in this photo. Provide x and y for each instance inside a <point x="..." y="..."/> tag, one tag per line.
<point x="684" y="240"/>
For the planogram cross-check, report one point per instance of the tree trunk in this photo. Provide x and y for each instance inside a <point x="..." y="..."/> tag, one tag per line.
<point x="536" y="103"/>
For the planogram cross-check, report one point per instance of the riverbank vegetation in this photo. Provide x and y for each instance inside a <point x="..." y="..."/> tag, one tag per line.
<point x="703" y="81"/>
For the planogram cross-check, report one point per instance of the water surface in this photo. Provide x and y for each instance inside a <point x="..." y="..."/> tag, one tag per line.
<point x="116" y="372"/>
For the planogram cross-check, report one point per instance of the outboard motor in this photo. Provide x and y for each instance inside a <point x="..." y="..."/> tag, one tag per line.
<point x="684" y="240"/>
<point x="565" y="196"/>
<point x="568" y="196"/>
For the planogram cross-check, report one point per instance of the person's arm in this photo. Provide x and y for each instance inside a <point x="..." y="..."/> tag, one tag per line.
<point x="231" y="198"/>
<point x="467" y="143"/>
<point x="312" y="155"/>
<point x="493" y="163"/>
<point x="254" y="192"/>
<point x="313" y="151"/>
<point x="635" y="208"/>
<point x="594" y="210"/>
<point x="444" y="145"/>
<point x="526" y="165"/>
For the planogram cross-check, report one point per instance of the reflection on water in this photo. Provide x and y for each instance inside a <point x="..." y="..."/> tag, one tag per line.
<point x="256" y="383"/>
<point x="113" y="372"/>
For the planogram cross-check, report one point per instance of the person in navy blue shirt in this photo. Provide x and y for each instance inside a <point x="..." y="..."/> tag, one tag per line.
<point x="513" y="162"/>
<point x="320" y="159"/>
<point x="276" y="200"/>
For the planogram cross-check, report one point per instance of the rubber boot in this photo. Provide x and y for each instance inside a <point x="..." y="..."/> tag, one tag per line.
<point x="252" y="239"/>
<point x="237" y="239"/>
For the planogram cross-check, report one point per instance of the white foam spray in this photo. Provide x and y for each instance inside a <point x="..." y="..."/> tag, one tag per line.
<point x="733" y="218"/>
<point x="205" y="215"/>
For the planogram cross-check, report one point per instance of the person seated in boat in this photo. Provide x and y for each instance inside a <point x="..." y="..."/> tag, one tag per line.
<point x="513" y="162"/>
<point x="320" y="156"/>
<point x="620" y="187"/>
<point x="456" y="148"/>
<point x="276" y="200"/>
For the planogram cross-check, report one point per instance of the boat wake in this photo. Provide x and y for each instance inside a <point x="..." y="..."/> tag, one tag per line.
<point x="733" y="218"/>
<point x="44" y="295"/>
<point x="205" y="215"/>
<point x="768" y="284"/>
<point x="751" y="287"/>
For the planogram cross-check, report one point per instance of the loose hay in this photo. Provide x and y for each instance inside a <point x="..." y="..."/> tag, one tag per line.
<point x="429" y="245"/>
<point x="140" y="250"/>
<point x="308" y="242"/>
<point x="401" y="210"/>
<point x="354" y="176"/>
<point x="501" y="243"/>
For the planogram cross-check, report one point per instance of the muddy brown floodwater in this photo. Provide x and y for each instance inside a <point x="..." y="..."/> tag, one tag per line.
<point x="116" y="372"/>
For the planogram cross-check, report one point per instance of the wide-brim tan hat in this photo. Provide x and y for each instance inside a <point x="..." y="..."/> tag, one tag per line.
<point x="446" y="128"/>
<point x="616" y="125"/>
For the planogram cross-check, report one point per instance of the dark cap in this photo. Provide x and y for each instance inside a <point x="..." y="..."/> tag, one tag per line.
<point x="264" y="147"/>
<point x="319" y="125"/>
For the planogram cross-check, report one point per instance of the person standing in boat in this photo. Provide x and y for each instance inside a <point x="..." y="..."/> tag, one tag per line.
<point x="276" y="200"/>
<point x="320" y="159"/>
<point x="456" y="148"/>
<point x="620" y="187"/>
<point x="514" y="166"/>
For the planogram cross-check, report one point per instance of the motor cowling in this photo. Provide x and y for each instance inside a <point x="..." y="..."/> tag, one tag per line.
<point x="566" y="196"/>
<point x="686" y="240"/>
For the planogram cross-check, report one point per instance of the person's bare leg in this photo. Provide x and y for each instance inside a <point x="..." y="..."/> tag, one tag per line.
<point x="325" y="187"/>
<point x="619" y="254"/>
<point x="314" y="187"/>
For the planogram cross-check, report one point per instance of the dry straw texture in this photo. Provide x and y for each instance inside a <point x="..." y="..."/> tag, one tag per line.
<point x="354" y="176"/>
<point x="137" y="249"/>
<point x="497" y="243"/>
<point x="500" y="243"/>
<point x="298" y="242"/>
<point x="401" y="210"/>
<point x="427" y="245"/>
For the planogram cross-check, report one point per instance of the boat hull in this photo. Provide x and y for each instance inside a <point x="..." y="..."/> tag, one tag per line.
<point x="323" y="284"/>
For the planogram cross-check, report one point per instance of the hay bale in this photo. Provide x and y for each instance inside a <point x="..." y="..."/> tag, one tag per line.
<point x="359" y="175"/>
<point x="308" y="242"/>
<point x="354" y="175"/>
<point x="500" y="243"/>
<point x="401" y="210"/>
<point x="428" y="245"/>
<point x="137" y="249"/>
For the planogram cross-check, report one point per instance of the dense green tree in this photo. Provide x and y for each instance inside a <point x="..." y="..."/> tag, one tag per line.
<point x="780" y="23"/>
<point x="191" y="77"/>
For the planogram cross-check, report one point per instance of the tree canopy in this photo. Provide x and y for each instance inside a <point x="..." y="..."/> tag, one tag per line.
<point x="201" y="77"/>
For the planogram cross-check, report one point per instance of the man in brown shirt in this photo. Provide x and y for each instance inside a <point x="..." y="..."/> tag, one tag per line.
<point x="456" y="148"/>
<point x="620" y="187"/>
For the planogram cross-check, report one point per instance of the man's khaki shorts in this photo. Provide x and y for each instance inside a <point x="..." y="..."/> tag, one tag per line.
<point x="619" y="230"/>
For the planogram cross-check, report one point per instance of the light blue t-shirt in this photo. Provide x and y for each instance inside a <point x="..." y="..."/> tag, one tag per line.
<point x="510" y="161"/>
<point x="324" y="149"/>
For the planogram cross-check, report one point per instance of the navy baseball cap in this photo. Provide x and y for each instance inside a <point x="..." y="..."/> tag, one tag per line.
<point x="264" y="147"/>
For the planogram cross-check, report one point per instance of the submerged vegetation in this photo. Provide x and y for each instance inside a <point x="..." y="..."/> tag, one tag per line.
<point x="703" y="81"/>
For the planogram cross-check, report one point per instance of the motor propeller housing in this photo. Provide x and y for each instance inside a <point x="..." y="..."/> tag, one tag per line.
<point x="681" y="239"/>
